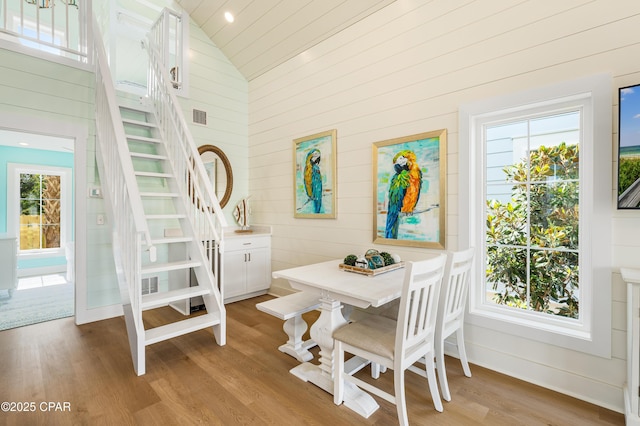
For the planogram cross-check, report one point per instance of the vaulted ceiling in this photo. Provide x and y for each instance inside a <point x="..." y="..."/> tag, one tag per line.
<point x="266" y="33"/>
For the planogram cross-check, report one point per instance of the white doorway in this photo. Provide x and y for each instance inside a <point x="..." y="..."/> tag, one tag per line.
<point x="46" y="260"/>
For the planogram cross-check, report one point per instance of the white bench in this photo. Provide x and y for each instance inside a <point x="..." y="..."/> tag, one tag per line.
<point x="290" y="309"/>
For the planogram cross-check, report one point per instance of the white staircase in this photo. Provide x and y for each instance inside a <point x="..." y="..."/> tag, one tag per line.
<point x="161" y="202"/>
<point x="166" y="222"/>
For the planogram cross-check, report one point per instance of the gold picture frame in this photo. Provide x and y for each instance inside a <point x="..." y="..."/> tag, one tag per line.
<point x="314" y="176"/>
<point x="409" y="190"/>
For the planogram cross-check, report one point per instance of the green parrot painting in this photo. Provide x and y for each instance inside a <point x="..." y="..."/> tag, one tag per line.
<point x="404" y="190"/>
<point x="313" y="179"/>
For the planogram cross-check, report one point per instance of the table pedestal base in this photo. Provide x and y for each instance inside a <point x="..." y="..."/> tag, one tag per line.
<point x="354" y="398"/>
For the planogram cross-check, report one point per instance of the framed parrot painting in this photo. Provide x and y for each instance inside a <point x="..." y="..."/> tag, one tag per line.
<point x="409" y="190"/>
<point x="314" y="185"/>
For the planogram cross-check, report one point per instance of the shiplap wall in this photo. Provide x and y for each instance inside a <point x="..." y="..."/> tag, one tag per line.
<point x="45" y="97"/>
<point x="218" y="88"/>
<point x="406" y="70"/>
<point x="39" y="90"/>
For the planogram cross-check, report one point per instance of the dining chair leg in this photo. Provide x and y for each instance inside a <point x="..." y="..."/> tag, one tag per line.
<point x="375" y="370"/>
<point x="431" y="378"/>
<point x="338" y="373"/>
<point x="442" y="370"/>
<point x="401" y="400"/>
<point x="462" y="352"/>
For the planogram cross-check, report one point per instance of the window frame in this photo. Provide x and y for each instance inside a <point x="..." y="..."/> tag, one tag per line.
<point x="592" y="332"/>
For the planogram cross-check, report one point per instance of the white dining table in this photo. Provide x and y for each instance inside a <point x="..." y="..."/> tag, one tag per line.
<point x="338" y="289"/>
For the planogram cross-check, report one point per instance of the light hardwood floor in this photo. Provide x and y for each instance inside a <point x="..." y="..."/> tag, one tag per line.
<point x="192" y="380"/>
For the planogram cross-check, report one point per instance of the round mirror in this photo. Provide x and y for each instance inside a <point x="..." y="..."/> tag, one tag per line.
<point x="218" y="168"/>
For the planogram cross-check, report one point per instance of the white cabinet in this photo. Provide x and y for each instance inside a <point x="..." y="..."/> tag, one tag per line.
<point x="632" y="387"/>
<point x="8" y="263"/>
<point x="247" y="266"/>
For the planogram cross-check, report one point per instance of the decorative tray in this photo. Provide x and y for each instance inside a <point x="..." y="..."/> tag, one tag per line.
<point x="371" y="272"/>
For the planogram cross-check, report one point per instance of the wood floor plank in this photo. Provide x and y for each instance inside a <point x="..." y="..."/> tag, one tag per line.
<point x="192" y="380"/>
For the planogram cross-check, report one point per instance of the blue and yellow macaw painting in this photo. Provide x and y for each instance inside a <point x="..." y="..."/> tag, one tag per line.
<point x="314" y="180"/>
<point x="404" y="190"/>
<point x="407" y="190"/>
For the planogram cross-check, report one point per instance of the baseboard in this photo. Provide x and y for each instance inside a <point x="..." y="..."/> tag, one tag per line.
<point x="576" y="386"/>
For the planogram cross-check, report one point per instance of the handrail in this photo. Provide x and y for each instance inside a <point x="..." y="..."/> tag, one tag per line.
<point x="179" y="141"/>
<point x="118" y="181"/>
<point x="200" y="203"/>
<point x="126" y="172"/>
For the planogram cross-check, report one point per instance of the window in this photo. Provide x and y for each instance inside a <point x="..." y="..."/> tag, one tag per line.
<point x="39" y="200"/>
<point x="40" y="218"/>
<point x="538" y="167"/>
<point x="532" y="213"/>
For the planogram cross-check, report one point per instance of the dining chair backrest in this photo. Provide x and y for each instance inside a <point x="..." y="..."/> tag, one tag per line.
<point x="418" y="308"/>
<point x="455" y="290"/>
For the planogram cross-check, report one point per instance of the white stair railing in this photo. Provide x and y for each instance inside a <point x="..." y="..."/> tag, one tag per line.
<point x="201" y="204"/>
<point x="125" y="211"/>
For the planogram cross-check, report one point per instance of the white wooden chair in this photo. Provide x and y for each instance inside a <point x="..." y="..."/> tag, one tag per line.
<point x="451" y="307"/>
<point x="396" y="344"/>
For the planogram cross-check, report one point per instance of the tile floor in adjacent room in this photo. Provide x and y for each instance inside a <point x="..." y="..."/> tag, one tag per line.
<point x="41" y="281"/>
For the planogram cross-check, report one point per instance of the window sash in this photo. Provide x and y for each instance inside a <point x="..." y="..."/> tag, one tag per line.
<point x="14" y="170"/>
<point x="528" y="247"/>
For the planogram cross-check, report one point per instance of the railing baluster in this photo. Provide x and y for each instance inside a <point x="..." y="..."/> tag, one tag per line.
<point x="45" y="30"/>
<point x="202" y="206"/>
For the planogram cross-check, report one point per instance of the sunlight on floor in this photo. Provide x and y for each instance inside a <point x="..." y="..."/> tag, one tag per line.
<point x="41" y="281"/>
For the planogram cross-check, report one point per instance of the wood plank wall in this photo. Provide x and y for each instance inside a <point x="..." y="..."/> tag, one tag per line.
<point x="406" y="70"/>
<point x="218" y="88"/>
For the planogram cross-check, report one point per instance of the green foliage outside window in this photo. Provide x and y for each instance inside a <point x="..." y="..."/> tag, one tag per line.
<point x="533" y="238"/>
<point x="39" y="211"/>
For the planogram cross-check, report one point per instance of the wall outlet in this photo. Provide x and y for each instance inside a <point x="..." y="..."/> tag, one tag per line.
<point x="100" y="219"/>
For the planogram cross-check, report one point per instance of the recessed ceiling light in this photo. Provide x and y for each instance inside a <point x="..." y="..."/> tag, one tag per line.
<point x="229" y="17"/>
<point x="23" y="144"/>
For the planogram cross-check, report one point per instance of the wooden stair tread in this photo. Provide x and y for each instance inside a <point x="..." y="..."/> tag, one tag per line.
<point x="139" y="123"/>
<point x="143" y="139"/>
<point x="170" y="266"/>
<point x="171" y="240"/>
<point x="157" y="299"/>
<point x="145" y="156"/>
<point x="138" y="107"/>
<point x="153" y="174"/>
<point x="160" y="194"/>
<point x="169" y="331"/>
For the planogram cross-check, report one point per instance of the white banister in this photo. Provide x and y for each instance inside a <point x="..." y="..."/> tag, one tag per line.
<point x="180" y="145"/>
<point x="118" y="181"/>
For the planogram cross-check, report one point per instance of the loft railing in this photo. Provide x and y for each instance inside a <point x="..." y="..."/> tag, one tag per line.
<point x="201" y="204"/>
<point x="58" y="27"/>
<point x="170" y="35"/>
<point x="130" y="230"/>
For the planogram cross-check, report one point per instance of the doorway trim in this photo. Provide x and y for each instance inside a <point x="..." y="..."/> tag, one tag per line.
<point x="80" y="134"/>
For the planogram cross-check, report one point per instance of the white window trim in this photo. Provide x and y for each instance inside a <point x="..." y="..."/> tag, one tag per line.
<point x="593" y="332"/>
<point x="13" y="205"/>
